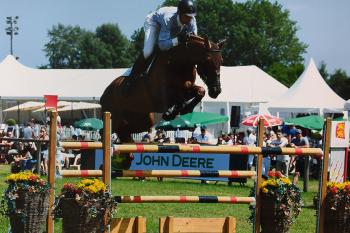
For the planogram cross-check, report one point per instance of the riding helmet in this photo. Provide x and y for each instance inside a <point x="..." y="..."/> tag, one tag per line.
<point x="186" y="7"/>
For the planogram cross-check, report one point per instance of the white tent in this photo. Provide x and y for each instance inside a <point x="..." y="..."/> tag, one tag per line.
<point x="241" y="85"/>
<point x="347" y="105"/>
<point x="246" y="84"/>
<point x="310" y="93"/>
<point x="22" y="82"/>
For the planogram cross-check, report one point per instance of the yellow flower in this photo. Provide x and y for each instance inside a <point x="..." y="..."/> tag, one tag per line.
<point x="286" y="181"/>
<point x="265" y="190"/>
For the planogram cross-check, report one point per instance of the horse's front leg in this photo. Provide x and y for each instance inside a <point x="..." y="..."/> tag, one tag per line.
<point x="194" y="96"/>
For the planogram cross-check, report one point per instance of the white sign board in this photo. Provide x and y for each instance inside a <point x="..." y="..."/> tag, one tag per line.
<point x="339" y="143"/>
<point x="337" y="165"/>
<point x="340" y="134"/>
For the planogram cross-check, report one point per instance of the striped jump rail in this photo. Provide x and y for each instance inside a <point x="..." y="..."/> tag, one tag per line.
<point x="81" y="173"/>
<point x="185" y="199"/>
<point x="160" y="173"/>
<point x="183" y="148"/>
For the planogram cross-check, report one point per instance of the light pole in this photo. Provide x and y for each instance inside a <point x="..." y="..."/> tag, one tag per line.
<point x="12" y="29"/>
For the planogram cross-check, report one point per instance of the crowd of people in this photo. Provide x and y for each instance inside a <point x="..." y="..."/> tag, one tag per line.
<point x="23" y="150"/>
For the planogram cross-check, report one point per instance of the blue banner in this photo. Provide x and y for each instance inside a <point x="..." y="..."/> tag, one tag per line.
<point x="181" y="161"/>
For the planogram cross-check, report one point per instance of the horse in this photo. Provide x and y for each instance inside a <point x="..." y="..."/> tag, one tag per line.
<point x="169" y="87"/>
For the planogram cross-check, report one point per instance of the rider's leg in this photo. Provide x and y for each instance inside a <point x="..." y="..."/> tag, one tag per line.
<point x="142" y="61"/>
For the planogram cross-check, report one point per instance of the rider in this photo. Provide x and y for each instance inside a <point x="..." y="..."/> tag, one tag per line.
<point x="171" y="26"/>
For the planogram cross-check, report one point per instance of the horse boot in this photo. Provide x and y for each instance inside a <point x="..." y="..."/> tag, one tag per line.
<point x="137" y="70"/>
<point x="171" y="113"/>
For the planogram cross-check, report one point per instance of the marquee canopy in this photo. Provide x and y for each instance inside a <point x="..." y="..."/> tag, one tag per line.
<point x="21" y="82"/>
<point x="246" y="84"/>
<point x="310" y="93"/>
<point x="243" y="84"/>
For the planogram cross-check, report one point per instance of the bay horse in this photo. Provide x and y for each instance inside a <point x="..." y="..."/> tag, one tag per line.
<point x="169" y="87"/>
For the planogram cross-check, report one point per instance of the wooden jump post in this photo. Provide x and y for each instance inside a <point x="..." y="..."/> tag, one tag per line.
<point x="52" y="170"/>
<point x="52" y="159"/>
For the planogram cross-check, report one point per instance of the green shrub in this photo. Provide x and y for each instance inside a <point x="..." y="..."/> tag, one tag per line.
<point x="11" y="122"/>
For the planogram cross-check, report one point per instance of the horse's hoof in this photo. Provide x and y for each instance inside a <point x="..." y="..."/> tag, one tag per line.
<point x="170" y="114"/>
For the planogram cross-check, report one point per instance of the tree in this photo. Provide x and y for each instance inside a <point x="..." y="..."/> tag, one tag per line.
<point x="93" y="52"/>
<point x="323" y="70"/>
<point x="116" y="43"/>
<point x="340" y="83"/>
<point x="258" y="33"/>
<point x="73" y="47"/>
<point x="62" y="49"/>
<point x="137" y="40"/>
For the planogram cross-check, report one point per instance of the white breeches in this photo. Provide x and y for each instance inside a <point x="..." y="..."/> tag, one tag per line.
<point x="151" y="34"/>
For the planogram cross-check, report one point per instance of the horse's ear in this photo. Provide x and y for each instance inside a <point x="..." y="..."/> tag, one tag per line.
<point x="206" y="41"/>
<point x="221" y="43"/>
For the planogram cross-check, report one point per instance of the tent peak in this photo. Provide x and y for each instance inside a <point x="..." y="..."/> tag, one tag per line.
<point x="11" y="61"/>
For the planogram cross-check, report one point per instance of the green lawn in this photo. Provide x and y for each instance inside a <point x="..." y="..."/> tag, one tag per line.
<point x="125" y="186"/>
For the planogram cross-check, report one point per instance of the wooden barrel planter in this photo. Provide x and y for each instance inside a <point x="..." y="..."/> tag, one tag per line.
<point x="337" y="219"/>
<point x="33" y="213"/>
<point x="269" y="215"/>
<point x="76" y="219"/>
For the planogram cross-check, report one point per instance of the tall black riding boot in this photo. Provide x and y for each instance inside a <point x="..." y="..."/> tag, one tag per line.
<point x="137" y="70"/>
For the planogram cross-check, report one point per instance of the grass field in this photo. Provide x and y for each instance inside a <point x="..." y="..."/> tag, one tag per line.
<point x="125" y="186"/>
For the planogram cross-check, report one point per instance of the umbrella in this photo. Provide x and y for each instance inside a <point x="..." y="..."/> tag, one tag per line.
<point x="89" y="124"/>
<point x="270" y="120"/>
<point x="27" y="106"/>
<point x="310" y="122"/>
<point x="60" y="104"/>
<point x="177" y="123"/>
<point x="79" y="106"/>
<point x="192" y="120"/>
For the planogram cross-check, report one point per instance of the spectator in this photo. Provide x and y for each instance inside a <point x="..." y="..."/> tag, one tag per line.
<point x="299" y="142"/>
<point x="282" y="161"/>
<point x="250" y="140"/>
<point x="44" y="149"/>
<point x="28" y="132"/>
<point x="203" y="138"/>
<point x="160" y="136"/>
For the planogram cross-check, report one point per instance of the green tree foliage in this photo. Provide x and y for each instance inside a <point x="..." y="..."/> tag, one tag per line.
<point x="73" y="47"/>
<point x="323" y="70"/>
<point x="116" y="43"/>
<point x="340" y="83"/>
<point x="62" y="49"/>
<point x="258" y="32"/>
<point x="137" y="40"/>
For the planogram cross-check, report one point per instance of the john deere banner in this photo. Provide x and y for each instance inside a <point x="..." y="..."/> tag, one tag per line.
<point x="181" y="161"/>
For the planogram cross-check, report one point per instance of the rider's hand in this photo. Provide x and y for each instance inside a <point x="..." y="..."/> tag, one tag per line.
<point x="183" y="37"/>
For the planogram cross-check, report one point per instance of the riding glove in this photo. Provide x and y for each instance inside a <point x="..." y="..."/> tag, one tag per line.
<point x="183" y="37"/>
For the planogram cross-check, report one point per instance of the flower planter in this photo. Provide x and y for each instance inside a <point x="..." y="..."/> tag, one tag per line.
<point x="337" y="210"/>
<point x="337" y="220"/>
<point x="76" y="219"/>
<point x="31" y="213"/>
<point x="269" y="215"/>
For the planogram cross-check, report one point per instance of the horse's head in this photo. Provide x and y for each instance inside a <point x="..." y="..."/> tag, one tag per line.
<point x="209" y="63"/>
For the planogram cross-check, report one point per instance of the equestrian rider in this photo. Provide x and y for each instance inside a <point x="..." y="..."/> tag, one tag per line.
<point x="166" y="27"/>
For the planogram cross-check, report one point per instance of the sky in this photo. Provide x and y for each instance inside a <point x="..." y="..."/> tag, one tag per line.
<point x="323" y="24"/>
